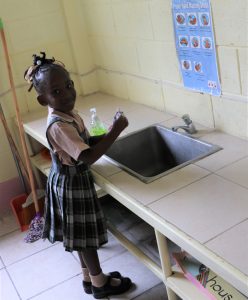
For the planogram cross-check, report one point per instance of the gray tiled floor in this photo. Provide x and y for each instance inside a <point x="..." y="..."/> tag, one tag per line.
<point x="42" y="271"/>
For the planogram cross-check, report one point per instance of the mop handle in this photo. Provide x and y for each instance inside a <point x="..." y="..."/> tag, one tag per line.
<point x="19" y="121"/>
<point x="12" y="143"/>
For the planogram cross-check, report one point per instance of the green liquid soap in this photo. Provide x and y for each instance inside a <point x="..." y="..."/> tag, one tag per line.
<point x="96" y="126"/>
<point x="97" y="131"/>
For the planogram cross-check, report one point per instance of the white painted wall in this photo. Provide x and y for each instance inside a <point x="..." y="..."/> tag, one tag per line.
<point x="124" y="48"/>
<point x="132" y="42"/>
<point x="30" y="26"/>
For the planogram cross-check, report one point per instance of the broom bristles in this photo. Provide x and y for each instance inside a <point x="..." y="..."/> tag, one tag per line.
<point x="35" y="229"/>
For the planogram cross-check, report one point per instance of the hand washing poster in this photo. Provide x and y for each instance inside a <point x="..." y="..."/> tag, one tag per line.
<point x="195" y="45"/>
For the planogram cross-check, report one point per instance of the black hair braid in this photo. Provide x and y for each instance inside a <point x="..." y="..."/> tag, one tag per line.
<point x="41" y="64"/>
<point x="42" y="60"/>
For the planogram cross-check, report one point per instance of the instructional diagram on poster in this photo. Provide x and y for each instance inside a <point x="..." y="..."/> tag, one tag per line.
<point x="195" y="45"/>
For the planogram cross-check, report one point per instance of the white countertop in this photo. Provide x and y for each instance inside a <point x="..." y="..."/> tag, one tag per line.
<point x="202" y="207"/>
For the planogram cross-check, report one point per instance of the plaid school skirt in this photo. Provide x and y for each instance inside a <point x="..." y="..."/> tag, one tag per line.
<point x="73" y="213"/>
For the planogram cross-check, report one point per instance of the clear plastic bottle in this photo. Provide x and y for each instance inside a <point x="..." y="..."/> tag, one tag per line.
<point x="96" y="126"/>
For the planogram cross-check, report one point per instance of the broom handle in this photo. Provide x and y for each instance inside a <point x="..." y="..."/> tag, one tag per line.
<point x="19" y="121"/>
<point x="12" y="143"/>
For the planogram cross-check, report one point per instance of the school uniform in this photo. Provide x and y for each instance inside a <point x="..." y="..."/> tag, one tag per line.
<point x="73" y="212"/>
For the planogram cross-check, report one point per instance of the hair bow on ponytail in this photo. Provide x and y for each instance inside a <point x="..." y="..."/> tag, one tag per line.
<point x="38" y="62"/>
<point x="28" y="76"/>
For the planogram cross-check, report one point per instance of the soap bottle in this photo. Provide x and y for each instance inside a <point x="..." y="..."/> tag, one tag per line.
<point x="96" y="126"/>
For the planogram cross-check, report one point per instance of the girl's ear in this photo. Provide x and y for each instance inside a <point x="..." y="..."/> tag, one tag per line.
<point x="42" y="100"/>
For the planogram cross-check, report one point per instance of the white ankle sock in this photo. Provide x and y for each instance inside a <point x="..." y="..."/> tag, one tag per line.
<point x="101" y="279"/>
<point x="98" y="280"/>
<point x="86" y="275"/>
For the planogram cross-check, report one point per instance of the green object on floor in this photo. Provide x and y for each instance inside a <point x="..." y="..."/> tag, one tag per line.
<point x="1" y="24"/>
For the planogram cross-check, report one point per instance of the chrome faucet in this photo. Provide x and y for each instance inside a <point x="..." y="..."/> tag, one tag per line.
<point x="189" y="127"/>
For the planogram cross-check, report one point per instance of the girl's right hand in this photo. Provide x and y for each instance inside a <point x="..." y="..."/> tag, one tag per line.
<point x="91" y="155"/>
<point x="120" y="124"/>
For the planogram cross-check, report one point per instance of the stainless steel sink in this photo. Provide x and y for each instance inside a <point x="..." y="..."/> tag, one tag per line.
<point x="155" y="151"/>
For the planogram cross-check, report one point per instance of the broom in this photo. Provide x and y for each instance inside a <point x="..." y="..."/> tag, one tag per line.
<point x="27" y="212"/>
<point x="37" y="224"/>
<point x="19" y="163"/>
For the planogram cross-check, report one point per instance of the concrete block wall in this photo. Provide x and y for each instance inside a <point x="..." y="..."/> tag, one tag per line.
<point x="30" y="26"/>
<point x="132" y="43"/>
<point x="124" y="48"/>
<point x="81" y="51"/>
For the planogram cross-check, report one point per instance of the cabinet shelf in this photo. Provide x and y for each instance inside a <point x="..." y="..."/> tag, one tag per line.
<point x="177" y="282"/>
<point x="41" y="163"/>
<point x="183" y="287"/>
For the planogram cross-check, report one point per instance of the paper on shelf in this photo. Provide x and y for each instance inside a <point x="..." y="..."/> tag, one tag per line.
<point x="212" y="285"/>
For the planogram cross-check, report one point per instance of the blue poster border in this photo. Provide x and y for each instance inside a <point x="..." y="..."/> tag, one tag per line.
<point x="195" y="45"/>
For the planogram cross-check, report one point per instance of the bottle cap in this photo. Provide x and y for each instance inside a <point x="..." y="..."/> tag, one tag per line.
<point x="93" y="110"/>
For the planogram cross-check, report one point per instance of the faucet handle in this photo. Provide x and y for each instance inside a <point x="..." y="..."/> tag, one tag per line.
<point x="186" y="119"/>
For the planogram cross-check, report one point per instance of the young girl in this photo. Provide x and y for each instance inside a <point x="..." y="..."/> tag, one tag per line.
<point x="73" y="213"/>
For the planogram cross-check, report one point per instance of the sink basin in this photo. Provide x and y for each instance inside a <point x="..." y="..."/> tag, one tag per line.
<point x="155" y="151"/>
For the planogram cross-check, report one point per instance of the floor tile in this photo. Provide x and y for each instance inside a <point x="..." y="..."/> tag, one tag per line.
<point x="129" y="266"/>
<point x="21" y="250"/>
<point x="225" y="246"/>
<point x="211" y="198"/>
<point x="7" y="289"/>
<point x="109" y="250"/>
<point x="43" y="270"/>
<point x="233" y="150"/>
<point x="68" y="290"/>
<point x="8" y="224"/>
<point x="158" y="292"/>
<point x="147" y="193"/>
<point x="236" y="172"/>
<point x="1" y="263"/>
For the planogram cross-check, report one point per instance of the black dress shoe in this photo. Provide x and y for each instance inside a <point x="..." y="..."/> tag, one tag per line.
<point x="108" y="289"/>
<point x="87" y="285"/>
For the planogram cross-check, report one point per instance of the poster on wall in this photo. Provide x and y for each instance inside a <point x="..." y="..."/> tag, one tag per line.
<point x="195" y="45"/>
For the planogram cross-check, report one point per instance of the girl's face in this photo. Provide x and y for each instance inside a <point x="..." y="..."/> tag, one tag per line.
<point x="58" y="91"/>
